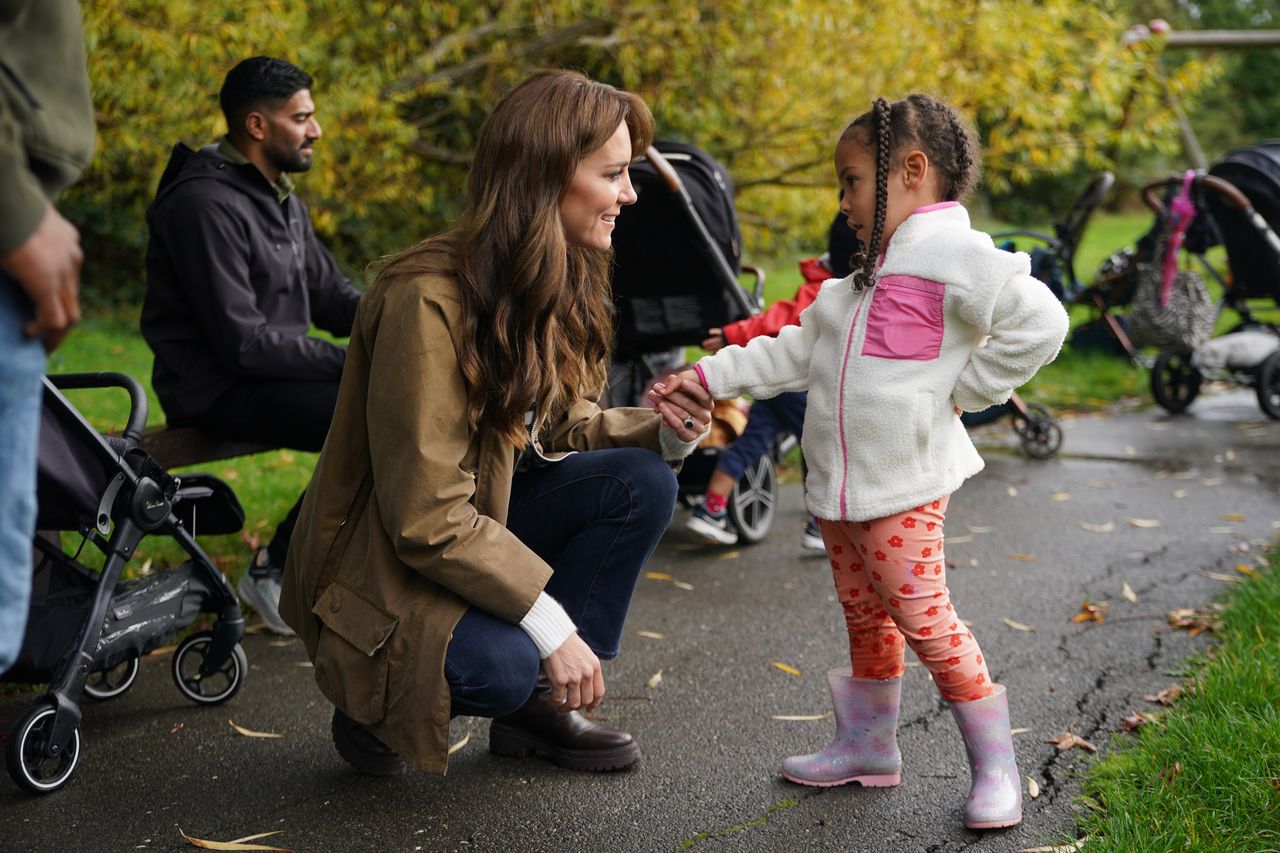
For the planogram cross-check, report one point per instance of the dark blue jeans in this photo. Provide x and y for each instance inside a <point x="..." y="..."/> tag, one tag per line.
<point x="767" y="418"/>
<point x="595" y="517"/>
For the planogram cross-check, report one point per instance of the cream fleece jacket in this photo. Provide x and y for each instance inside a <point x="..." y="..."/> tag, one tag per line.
<point x="950" y="320"/>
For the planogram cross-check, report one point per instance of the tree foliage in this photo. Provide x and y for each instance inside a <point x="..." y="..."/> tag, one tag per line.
<point x="766" y="87"/>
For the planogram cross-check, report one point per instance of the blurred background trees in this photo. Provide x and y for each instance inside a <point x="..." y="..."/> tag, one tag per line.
<point x="766" y="87"/>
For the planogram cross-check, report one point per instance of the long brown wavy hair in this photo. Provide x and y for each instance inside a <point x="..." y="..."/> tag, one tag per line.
<point x="537" y="312"/>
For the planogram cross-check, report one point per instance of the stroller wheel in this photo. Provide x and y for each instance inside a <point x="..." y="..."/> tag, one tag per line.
<point x="211" y="688"/>
<point x="1269" y="385"/>
<point x="1039" y="432"/>
<point x="25" y="754"/>
<point x="1175" y="381"/>
<point x="110" y="683"/>
<point x="751" y="503"/>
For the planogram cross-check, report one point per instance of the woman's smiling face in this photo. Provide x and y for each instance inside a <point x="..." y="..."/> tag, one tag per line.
<point x="599" y="189"/>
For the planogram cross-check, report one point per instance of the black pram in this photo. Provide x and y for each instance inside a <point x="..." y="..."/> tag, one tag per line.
<point x="88" y="629"/>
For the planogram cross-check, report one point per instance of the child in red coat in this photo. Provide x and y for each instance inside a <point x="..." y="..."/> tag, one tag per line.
<point x="781" y="414"/>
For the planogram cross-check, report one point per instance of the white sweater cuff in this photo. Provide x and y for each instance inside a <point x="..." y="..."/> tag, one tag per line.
<point x="547" y="624"/>
<point x="673" y="449"/>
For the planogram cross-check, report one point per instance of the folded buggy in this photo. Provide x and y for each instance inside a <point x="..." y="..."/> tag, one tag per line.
<point x="677" y="258"/>
<point x="1236" y="204"/>
<point x="87" y="628"/>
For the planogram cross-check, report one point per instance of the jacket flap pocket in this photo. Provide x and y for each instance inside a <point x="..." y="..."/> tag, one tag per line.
<point x="354" y="618"/>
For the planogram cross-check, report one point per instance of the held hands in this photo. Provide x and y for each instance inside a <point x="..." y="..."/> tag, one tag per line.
<point x="47" y="265"/>
<point x="684" y="404"/>
<point x="575" y="676"/>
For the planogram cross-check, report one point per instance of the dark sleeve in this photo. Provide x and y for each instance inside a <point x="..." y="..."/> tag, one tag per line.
<point x="333" y="299"/>
<point x="207" y="243"/>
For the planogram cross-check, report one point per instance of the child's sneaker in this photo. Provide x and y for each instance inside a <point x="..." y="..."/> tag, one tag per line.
<point x="811" y="537"/>
<point x="714" y="527"/>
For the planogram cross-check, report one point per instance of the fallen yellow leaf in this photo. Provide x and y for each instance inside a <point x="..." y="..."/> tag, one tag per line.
<point x="1143" y="522"/>
<point x="1023" y="558"/>
<point x="250" y="732"/>
<point x="460" y="744"/>
<point x="1105" y="527"/>
<point x="652" y="635"/>
<point x="1233" y="516"/>
<point x="1128" y="593"/>
<point x="1018" y="626"/>
<point x="658" y="576"/>
<point x="730" y="555"/>
<point x="1060" y="496"/>
<point x="1022" y="731"/>
<point x="237" y="844"/>
<point x="1246" y="569"/>
<point x="787" y="668"/>
<point x="655" y="679"/>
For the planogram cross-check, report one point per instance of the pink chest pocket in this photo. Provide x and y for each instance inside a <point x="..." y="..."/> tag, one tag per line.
<point x="905" y="320"/>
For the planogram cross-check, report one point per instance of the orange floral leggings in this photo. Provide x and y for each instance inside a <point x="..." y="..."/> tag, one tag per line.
<point x="891" y="580"/>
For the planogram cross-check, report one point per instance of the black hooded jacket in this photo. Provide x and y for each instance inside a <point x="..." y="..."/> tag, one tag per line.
<point x="235" y="278"/>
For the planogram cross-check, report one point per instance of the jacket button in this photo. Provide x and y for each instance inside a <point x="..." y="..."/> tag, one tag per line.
<point x="335" y="605"/>
<point x="441" y="718"/>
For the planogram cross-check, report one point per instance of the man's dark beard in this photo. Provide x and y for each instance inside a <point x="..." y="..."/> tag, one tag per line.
<point x="295" y="160"/>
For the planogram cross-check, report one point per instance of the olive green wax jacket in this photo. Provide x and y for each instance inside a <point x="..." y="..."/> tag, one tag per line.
<point x="402" y="528"/>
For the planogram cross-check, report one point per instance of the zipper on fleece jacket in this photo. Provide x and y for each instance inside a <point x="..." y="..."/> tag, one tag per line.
<point x="844" y="367"/>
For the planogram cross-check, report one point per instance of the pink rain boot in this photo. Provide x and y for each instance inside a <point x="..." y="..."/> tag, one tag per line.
<point x="866" y="746"/>
<point x="995" y="798"/>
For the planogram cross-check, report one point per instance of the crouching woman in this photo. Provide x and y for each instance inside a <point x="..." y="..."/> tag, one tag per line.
<point x="475" y="525"/>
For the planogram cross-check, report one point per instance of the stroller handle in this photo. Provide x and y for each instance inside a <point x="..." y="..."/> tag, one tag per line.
<point x="110" y="379"/>
<point x="676" y="186"/>
<point x="1213" y="182"/>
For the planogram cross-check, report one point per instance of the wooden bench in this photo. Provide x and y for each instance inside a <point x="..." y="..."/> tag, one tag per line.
<point x="176" y="447"/>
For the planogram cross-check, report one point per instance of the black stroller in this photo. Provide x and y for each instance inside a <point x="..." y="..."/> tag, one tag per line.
<point x="87" y="629"/>
<point x="1238" y="206"/>
<point x="677" y="262"/>
<point x="1052" y="262"/>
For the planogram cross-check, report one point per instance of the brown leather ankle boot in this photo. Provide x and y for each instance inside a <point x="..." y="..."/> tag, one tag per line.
<point x="569" y="740"/>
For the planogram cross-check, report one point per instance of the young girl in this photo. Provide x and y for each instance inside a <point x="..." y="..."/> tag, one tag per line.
<point x="934" y="321"/>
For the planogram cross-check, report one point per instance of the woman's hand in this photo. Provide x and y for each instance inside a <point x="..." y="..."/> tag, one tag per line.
<point x="575" y="676"/>
<point x="684" y="404"/>
<point x="715" y="340"/>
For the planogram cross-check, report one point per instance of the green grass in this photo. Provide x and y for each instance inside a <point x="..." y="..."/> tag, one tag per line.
<point x="1206" y="776"/>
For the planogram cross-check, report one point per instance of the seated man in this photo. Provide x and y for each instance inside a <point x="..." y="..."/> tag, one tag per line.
<point x="783" y="413"/>
<point x="236" y="278"/>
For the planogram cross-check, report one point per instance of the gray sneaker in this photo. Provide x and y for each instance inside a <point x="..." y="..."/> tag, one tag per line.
<point x="811" y="538"/>
<point x="263" y="595"/>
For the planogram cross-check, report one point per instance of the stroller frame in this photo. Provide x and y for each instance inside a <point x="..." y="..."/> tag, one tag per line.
<point x="752" y="501"/>
<point x="43" y="748"/>
<point x="1037" y="431"/>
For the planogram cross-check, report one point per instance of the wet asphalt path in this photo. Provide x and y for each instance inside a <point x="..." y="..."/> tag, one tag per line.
<point x="1020" y="551"/>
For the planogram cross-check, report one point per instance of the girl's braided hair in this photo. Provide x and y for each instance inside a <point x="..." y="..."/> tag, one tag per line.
<point x="917" y="121"/>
